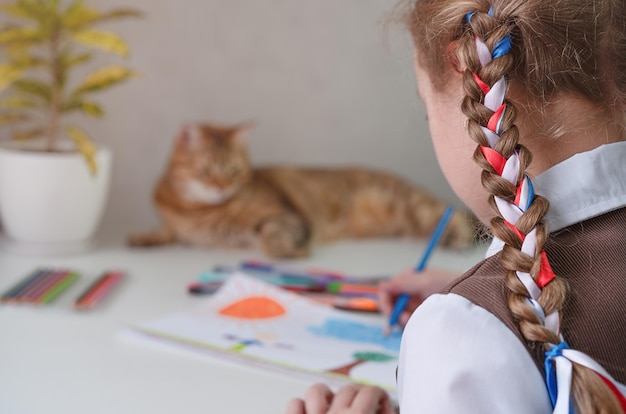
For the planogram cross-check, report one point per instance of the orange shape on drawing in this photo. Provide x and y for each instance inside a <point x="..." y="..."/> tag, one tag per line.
<point x="254" y="307"/>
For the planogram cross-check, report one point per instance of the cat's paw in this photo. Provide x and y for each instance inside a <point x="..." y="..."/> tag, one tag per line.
<point x="282" y="239"/>
<point x="155" y="238"/>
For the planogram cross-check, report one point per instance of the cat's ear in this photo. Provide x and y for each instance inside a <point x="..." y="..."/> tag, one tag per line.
<point x="243" y="131"/>
<point x="190" y="136"/>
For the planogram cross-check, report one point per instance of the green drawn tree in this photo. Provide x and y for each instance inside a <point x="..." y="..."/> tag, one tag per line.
<point x="360" y="358"/>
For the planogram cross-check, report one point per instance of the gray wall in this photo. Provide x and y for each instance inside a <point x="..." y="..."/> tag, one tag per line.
<point x="325" y="81"/>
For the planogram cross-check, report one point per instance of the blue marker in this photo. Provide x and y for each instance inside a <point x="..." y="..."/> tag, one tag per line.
<point x="403" y="300"/>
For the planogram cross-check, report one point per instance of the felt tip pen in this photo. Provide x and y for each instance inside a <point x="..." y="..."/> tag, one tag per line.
<point x="211" y="287"/>
<point x="264" y="272"/>
<point x="317" y="274"/>
<point x="360" y="304"/>
<point x="403" y="300"/>
<point x="356" y="304"/>
<point x="204" y="288"/>
<point x="351" y="289"/>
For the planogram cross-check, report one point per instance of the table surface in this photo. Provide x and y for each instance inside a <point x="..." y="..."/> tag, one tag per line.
<point x="54" y="359"/>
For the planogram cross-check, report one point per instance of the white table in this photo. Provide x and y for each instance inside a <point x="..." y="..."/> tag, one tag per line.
<point x="57" y="360"/>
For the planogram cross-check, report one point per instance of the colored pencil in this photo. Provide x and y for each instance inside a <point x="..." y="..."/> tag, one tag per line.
<point x="41" y="282"/>
<point x="47" y="282"/>
<point x="65" y="282"/>
<point x="351" y="289"/>
<point x="403" y="300"/>
<point x="12" y="293"/>
<point x="98" y="290"/>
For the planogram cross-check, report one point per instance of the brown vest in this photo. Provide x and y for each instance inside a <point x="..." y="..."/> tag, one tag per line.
<point x="591" y="257"/>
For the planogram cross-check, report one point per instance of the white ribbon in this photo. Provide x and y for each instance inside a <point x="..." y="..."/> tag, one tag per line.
<point x="495" y="96"/>
<point x="511" y="169"/>
<point x="484" y="54"/>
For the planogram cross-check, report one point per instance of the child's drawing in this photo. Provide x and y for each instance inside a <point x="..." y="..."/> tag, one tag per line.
<point x="260" y="340"/>
<point x="254" y="307"/>
<point x="349" y="330"/>
<point x="251" y="319"/>
<point x="359" y="358"/>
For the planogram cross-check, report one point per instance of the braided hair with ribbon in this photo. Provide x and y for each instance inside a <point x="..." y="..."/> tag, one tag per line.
<point x="537" y="294"/>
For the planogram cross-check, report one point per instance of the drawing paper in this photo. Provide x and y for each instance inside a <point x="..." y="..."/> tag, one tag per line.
<point x="255" y="322"/>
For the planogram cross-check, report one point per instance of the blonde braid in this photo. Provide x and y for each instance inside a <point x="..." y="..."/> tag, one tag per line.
<point x="536" y="294"/>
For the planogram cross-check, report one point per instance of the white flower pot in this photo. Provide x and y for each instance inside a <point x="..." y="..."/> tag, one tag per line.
<point x="50" y="203"/>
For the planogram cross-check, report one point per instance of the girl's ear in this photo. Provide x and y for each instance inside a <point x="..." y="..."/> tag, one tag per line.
<point x="453" y="58"/>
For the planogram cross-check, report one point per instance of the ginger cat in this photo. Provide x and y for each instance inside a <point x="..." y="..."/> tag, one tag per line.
<point x="210" y="195"/>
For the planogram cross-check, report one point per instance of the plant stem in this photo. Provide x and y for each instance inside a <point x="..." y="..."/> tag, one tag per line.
<point x="55" y="91"/>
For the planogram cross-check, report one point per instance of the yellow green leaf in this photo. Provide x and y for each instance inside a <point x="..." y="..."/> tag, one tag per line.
<point x="116" y="14"/>
<point x="103" y="78"/>
<point x="107" y="41"/>
<point x="69" y="61"/>
<point x="28" y="134"/>
<point x="16" y="11"/>
<point x="84" y="145"/>
<point x="33" y="87"/>
<point x="78" y="15"/>
<point x="28" y="9"/>
<point x="18" y="54"/>
<point x="92" y="108"/>
<point x="43" y="11"/>
<point x="21" y="35"/>
<point x="17" y="102"/>
<point x="9" y="74"/>
<point x="12" y="118"/>
<point x="86" y="107"/>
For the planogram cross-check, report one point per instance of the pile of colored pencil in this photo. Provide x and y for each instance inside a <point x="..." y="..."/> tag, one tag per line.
<point x="98" y="289"/>
<point x="41" y="287"/>
<point x="44" y="285"/>
<point x="328" y="287"/>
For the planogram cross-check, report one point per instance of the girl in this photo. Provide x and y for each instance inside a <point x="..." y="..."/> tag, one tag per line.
<point x="539" y="325"/>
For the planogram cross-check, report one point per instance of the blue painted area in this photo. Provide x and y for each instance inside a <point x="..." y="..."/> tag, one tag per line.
<point x="357" y="332"/>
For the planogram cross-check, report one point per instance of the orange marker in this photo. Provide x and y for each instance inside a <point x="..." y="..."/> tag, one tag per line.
<point x="356" y="304"/>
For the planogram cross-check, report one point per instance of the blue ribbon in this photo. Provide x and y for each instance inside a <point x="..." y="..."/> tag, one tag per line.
<point x="502" y="47"/>
<point x="551" y="370"/>
<point x="531" y="192"/>
<point x="469" y="15"/>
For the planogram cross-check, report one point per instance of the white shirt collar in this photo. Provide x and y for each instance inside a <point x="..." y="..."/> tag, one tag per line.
<point x="583" y="186"/>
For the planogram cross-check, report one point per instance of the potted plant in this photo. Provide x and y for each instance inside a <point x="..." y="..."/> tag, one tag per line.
<point x="53" y="179"/>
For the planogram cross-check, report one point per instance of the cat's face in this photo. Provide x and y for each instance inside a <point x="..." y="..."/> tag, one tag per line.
<point x="210" y="163"/>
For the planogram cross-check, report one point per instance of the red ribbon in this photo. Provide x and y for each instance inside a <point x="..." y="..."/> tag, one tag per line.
<point x="493" y="121"/>
<point x="546" y="274"/>
<point x="482" y="85"/>
<point x="518" y="195"/>
<point x="618" y="395"/>
<point x="494" y="158"/>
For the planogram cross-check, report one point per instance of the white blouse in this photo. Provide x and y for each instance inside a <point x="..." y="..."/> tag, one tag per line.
<point x="457" y="357"/>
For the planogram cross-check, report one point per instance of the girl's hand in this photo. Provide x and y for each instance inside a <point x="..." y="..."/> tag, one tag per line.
<point x="418" y="285"/>
<point x="349" y="399"/>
